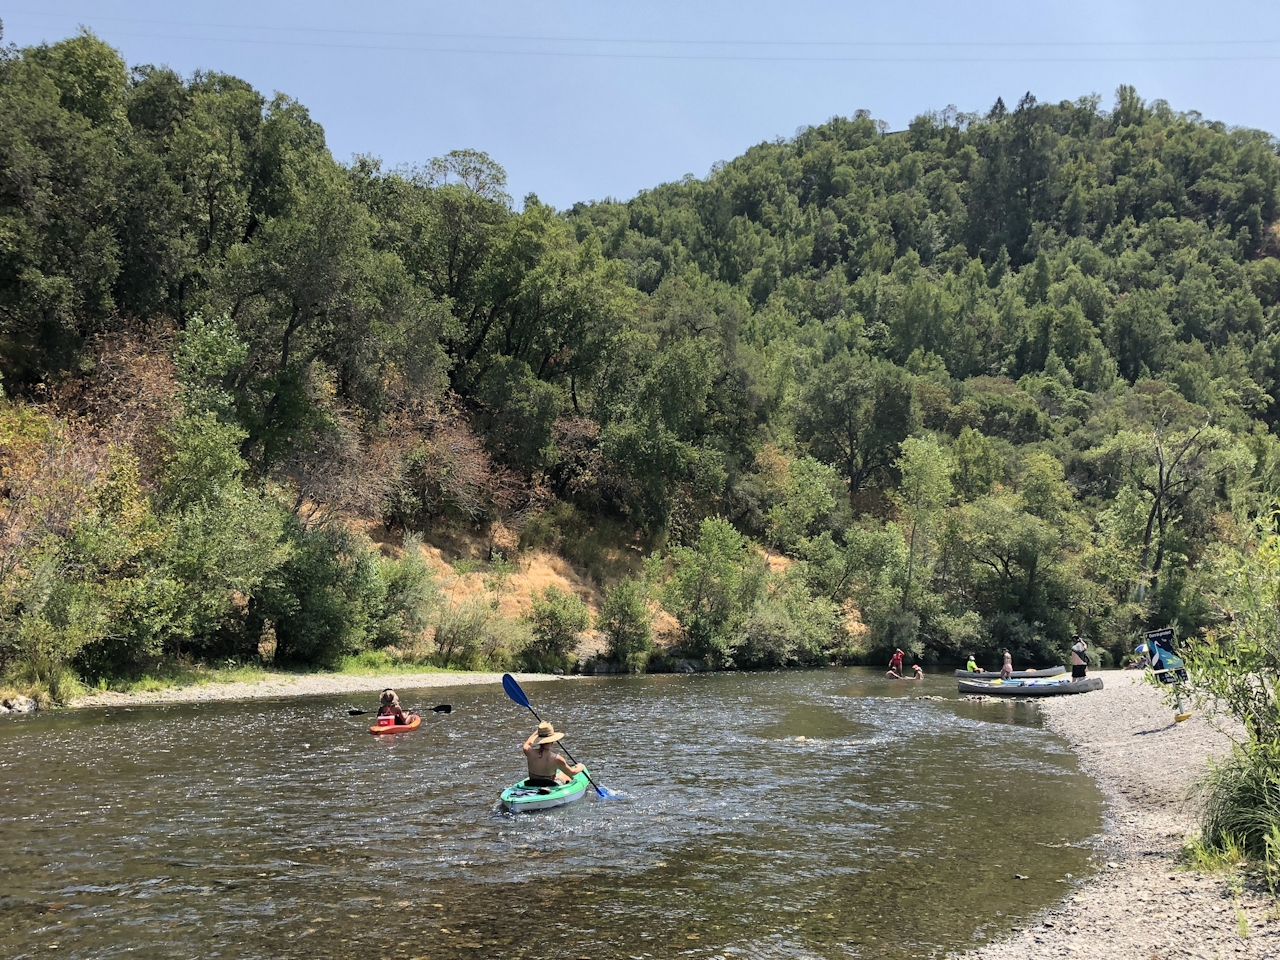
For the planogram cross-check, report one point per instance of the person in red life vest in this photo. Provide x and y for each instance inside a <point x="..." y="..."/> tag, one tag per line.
<point x="895" y="665"/>
<point x="391" y="707"/>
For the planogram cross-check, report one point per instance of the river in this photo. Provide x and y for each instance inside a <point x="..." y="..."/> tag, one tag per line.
<point x="898" y="827"/>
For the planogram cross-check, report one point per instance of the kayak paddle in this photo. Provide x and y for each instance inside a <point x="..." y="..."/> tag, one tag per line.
<point x="442" y="708"/>
<point x="513" y="691"/>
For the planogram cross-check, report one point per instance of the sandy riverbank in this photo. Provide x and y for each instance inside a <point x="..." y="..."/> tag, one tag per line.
<point x="299" y="685"/>
<point x="1143" y="905"/>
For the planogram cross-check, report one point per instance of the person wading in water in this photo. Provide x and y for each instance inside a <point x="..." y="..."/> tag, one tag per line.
<point x="895" y="665"/>
<point x="546" y="768"/>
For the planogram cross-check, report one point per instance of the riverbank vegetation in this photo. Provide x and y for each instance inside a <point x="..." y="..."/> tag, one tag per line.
<point x="979" y="383"/>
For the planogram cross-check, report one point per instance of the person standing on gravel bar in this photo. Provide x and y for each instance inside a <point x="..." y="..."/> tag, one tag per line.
<point x="1079" y="657"/>
<point x="1006" y="671"/>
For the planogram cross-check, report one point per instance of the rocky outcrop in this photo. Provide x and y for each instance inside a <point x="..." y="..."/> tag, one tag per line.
<point x="19" y="705"/>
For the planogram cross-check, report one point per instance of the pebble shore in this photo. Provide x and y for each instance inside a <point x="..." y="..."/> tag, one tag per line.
<point x="1144" y="904"/>
<point x="298" y="685"/>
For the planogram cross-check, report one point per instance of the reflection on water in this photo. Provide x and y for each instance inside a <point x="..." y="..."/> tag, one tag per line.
<point x="277" y="829"/>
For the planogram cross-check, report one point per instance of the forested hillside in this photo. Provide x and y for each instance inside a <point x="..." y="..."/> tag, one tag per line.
<point x="981" y="383"/>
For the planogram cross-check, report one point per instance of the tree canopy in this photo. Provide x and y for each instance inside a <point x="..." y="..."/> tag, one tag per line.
<point x="985" y="381"/>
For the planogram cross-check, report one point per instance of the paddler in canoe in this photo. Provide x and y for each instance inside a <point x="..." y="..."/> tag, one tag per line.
<point x="391" y="708"/>
<point x="547" y="768"/>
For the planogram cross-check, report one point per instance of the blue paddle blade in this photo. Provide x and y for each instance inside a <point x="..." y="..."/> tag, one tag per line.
<point x="604" y="793"/>
<point x="514" y="692"/>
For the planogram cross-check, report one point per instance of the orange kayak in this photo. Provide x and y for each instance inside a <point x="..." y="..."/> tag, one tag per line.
<point x="414" y="721"/>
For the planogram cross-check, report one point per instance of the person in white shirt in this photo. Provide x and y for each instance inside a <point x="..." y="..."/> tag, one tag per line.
<point x="1079" y="657"/>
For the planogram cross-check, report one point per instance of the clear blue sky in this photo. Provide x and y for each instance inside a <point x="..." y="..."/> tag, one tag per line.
<point x="581" y="100"/>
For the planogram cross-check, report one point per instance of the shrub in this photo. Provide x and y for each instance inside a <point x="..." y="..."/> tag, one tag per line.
<point x="711" y="586"/>
<point x="328" y="599"/>
<point x="786" y="628"/>
<point x="53" y="618"/>
<point x="626" y="624"/>
<point x="469" y="636"/>
<point x="1242" y="803"/>
<point x="556" y="620"/>
<point x="410" y="596"/>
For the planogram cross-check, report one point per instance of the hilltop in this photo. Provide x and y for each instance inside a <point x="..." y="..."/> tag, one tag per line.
<point x="982" y="383"/>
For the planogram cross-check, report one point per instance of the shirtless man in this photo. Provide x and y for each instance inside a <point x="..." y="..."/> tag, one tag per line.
<point x="547" y="769"/>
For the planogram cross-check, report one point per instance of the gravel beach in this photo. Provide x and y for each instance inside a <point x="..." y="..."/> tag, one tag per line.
<point x="1143" y="904"/>
<point x="299" y="685"/>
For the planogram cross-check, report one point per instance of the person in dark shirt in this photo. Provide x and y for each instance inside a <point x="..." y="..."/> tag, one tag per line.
<point x="1079" y="657"/>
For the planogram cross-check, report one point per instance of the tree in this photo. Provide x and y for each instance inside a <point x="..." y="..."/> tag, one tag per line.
<point x="1168" y="468"/>
<point x="1140" y="335"/>
<point x="626" y="623"/>
<point x="557" y="618"/>
<point x="804" y="499"/>
<point x="925" y="489"/>
<point x="977" y="464"/>
<point x="709" y="589"/>
<point x="1005" y="564"/>
<point x="854" y="412"/>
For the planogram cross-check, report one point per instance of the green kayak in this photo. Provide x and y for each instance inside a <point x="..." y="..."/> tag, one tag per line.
<point x="520" y="796"/>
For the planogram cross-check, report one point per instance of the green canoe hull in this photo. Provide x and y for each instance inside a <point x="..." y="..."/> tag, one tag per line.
<point x="519" y="797"/>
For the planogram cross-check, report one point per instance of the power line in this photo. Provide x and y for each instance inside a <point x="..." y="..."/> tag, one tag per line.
<point x="648" y="41"/>
<point x="725" y="58"/>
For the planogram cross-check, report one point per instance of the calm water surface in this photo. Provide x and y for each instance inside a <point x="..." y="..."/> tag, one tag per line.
<point x="281" y="829"/>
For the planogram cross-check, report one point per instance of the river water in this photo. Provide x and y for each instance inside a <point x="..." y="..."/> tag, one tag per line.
<point x="280" y="829"/>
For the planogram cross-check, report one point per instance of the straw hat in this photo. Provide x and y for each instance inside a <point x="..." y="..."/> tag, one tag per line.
<point x="546" y="734"/>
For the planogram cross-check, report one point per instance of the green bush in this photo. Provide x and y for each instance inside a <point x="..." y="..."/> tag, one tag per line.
<point x="461" y="632"/>
<point x="556" y="620"/>
<point x="51" y="619"/>
<point x="470" y="636"/>
<point x="328" y="598"/>
<point x="410" y="597"/>
<point x="788" y="628"/>
<point x="1242" y="803"/>
<point x="712" y="584"/>
<point x="626" y="623"/>
<point x="503" y="643"/>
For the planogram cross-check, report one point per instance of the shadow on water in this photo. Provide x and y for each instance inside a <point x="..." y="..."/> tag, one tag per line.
<point x="894" y="828"/>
